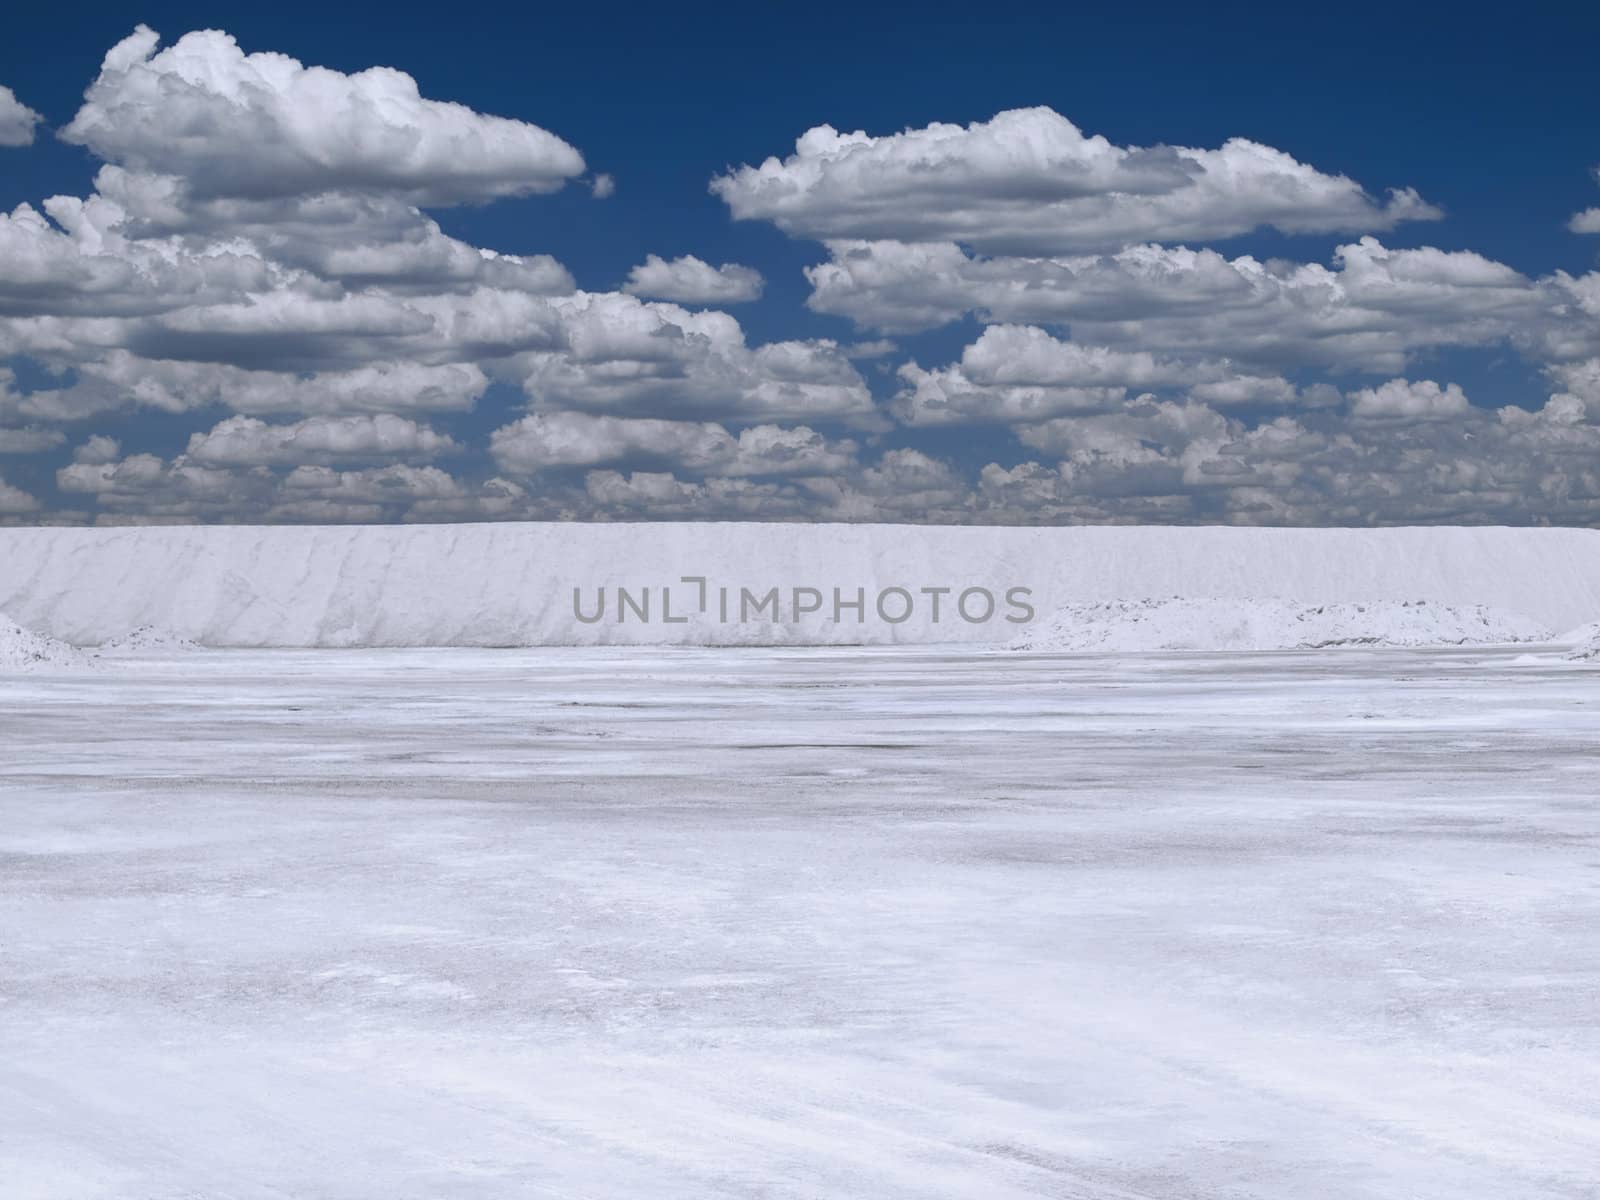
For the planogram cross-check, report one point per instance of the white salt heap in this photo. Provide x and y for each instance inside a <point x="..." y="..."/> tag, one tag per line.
<point x="21" y="648"/>
<point x="1215" y="624"/>
<point x="1583" y="643"/>
<point x="515" y="584"/>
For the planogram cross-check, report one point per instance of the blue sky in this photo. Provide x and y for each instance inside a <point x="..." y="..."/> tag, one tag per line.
<point x="1491" y="120"/>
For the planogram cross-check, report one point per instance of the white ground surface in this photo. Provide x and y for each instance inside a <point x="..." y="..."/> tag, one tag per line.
<point x="437" y="925"/>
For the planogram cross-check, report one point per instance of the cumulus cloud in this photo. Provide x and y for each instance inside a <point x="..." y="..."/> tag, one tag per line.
<point x="373" y="484"/>
<point x="135" y="226"/>
<point x="98" y="449"/>
<point x="31" y="440"/>
<point x="16" y="120"/>
<point x="14" y="500"/>
<point x="657" y="494"/>
<point x="1143" y="458"/>
<point x="1581" y="378"/>
<point x="630" y="357"/>
<point x="1587" y="221"/>
<point x="566" y="439"/>
<point x="1133" y="434"/>
<point x="1404" y="400"/>
<point x="1029" y="181"/>
<point x="156" y="487"/>
<point x="80" y="286"/>
<point x="255" y="258"/>
<point x="144" y="487"/>
<point x="245" y="441"/>
<point x="1180" y="462"/>
<point x="905" y="484"/>
<point x="255" y="242"/>
<point x="1403" y="451"/>
<point x="258" y="126"/>
<point x="795" y="450"/>
<point x="1370" y="309"/>
<point x="1016" y="373"/>
<point x="902" y="485"/>
<point x="876" y="348"/>
<point x="121" y="379"/>
<point x="689" y="280"/>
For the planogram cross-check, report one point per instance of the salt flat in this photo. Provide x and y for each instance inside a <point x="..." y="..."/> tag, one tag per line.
<point x="789" y="923"/>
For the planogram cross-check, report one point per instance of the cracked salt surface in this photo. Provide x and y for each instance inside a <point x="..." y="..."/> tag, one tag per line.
<point x="888" y="923"/>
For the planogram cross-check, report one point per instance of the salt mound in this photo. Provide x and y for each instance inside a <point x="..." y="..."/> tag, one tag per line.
<point x="21" y="648"/>
<point x="149" y="639"/>
<point x="1584" y="643"/>
<point x="1213" y="624"/>
<point x="514" y="584"/>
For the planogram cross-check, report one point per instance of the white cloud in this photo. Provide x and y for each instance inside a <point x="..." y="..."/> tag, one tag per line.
<point x="245" y="441"/>
<point x="658" y="494"/>
<point x="79" y="285"/>
<point x="1587" y="221"/>
<point x="603" y="187"/>
<point x="494" y="500"/>
<point x="177" y="332"/>
<point x="877" y="348"/>
<point x="31" y="440"/>
<point x="1134" y="434"/>
<point x="1405" y="400"/>
<point x="1017" y="373"/>
<point x="144" y="487"/>
<point x="1030" y="182"/>
<point x="262" y="125"/>
<point x="1368" y="311"/>
<point x="392" y="493"/>
<point x="1581" y="378"/>
<point x="316" y="286"/>
<point x="1144" y="458"/>
<point x="630" y="357"/>
<point x="152" y="487"/>
<point x="905" y="483"/>
<point x="563" y="439"/>
<point x="689" y="280"/>
<point x="123" y="380"/>
<point x="1418" y="465"/>
<point x="316" y="300"/>
<point x="14" y="500"/>
<point x="902" y="485"/>
<point x="411" y="254"/>
<point x="353" y="238"/>
<point x="384" y="485"/>
<point x="83" y="265"/>
<point x="98" y="450"/>
<point x="793" y="450"/>
<point x="16" y="120"/>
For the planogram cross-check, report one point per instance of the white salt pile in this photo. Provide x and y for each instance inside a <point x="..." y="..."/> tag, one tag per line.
<point x="1212" y="624"/>
<point x="21" y="649"/>
<point x="1583" y="643"/>
<point x="515" y="584"/>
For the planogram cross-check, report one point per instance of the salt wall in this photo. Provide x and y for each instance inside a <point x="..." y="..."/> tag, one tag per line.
<point x="713" y="583"/>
